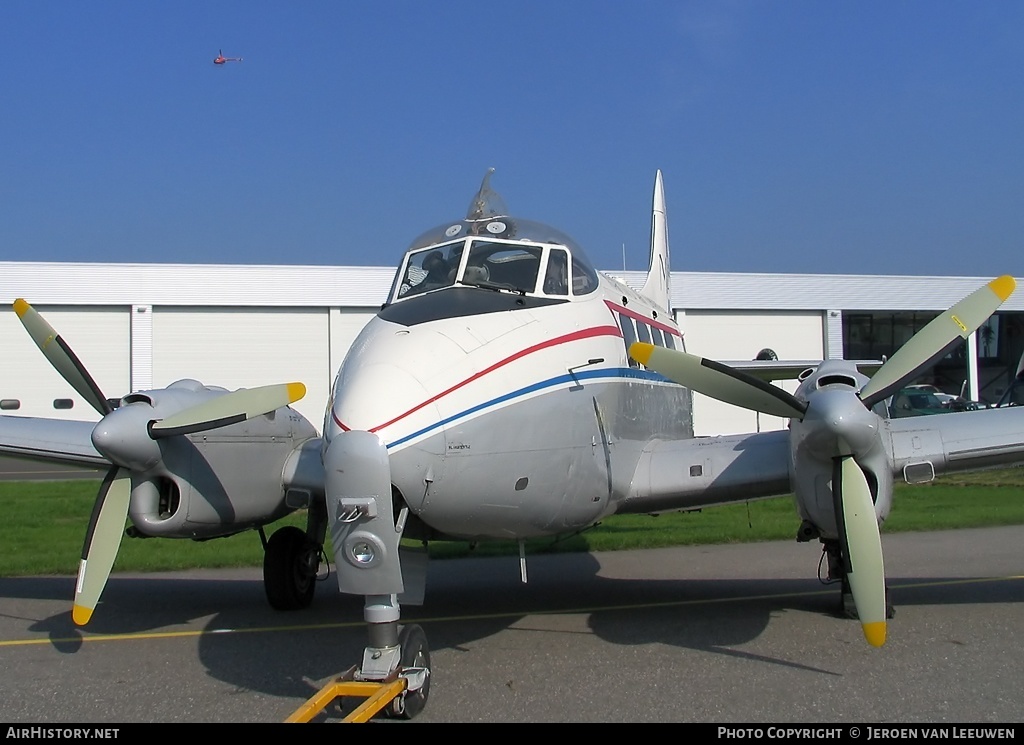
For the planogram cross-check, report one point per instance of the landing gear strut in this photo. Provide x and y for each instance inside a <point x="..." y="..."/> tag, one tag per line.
<point x="394" y="676"/>
<point x="837" y="571"/>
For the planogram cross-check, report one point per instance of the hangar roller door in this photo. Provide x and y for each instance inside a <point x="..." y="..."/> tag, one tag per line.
<point x="245" y="348"/>
<point x="99" y="336"/>
<point x="738" y="335"/>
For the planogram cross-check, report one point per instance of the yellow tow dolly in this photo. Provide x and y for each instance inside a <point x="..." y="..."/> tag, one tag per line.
<point x="377" y="695"/>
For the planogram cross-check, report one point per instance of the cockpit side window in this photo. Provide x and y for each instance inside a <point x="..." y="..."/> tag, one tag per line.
<point x="430" y="269"/>
<point x="584" y="278"/>
<point x="556" y="279"/>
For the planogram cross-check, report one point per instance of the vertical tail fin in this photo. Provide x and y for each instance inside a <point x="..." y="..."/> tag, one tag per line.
<point x="658" y="285"/>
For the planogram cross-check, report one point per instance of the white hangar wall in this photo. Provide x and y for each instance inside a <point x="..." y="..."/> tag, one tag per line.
<point x="245" y="348"/>
<point x="100" y="338"/>
<point x="733" y="335"/>
<point x="138" y="326"/>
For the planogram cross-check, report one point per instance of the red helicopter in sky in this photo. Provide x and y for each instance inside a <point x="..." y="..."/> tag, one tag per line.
<point x="220" y="59"/>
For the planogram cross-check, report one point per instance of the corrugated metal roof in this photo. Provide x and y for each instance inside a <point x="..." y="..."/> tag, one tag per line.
<point x="747" y="291"/>
<point x="52" y="283"/>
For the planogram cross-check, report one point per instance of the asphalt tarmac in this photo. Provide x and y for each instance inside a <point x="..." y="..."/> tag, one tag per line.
<point x="18" y="469"/>
<point x="740" y="634"/>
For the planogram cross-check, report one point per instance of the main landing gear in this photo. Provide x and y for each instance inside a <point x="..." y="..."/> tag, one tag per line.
<point x="837" y="571"/>
<point x="291" y="561"/>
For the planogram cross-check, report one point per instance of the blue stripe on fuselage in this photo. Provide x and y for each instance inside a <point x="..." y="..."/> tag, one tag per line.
<point x="619" y="373"/>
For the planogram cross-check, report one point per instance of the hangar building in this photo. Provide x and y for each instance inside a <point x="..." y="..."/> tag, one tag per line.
<point x="141" y="326"/>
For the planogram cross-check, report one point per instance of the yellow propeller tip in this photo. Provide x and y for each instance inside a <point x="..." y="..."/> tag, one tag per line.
<point x="875" y="633"/>
<point x="296" y="391"/>
<point x="641" y="351"/>
<point x="81" y="615"/>
<point x="21" y="307"/>
<point x="1003" y="286"/>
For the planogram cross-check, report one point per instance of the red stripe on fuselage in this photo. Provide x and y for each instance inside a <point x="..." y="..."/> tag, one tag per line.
<point x="575" y="336"/>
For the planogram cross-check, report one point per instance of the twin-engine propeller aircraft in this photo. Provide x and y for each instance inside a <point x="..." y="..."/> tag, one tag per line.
<point x="505" y="390"/>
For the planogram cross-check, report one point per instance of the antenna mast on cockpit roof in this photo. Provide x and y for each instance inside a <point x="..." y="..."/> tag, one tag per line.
<point x="487" y="202"/>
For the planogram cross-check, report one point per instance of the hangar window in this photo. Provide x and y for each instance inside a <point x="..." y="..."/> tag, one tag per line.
<point x="63" y="403"/>
<point x="10" y="404"/>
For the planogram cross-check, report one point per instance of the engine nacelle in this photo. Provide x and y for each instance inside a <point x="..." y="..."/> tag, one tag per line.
<point x="220" y="481"/>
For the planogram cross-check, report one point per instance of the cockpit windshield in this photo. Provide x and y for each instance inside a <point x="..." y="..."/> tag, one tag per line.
<point x="490" y="250"/>
<point x="431" y="268"/>
<point x="513" y="266"/>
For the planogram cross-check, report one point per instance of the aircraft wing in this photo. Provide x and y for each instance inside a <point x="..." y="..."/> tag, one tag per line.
<point x="956" y="441"/>
<point x="705" y="471"/>
<point x="50" y="440"/>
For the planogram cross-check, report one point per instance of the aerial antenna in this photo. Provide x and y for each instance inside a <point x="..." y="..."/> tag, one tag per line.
<point x="487" y="202"/>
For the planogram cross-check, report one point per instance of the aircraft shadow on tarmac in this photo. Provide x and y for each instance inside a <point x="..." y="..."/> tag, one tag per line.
<point x="467" y="600"/>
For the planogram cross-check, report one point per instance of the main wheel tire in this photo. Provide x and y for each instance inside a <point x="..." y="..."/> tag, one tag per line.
<point x="290" y="566"/>
<point x="415" y="653"/>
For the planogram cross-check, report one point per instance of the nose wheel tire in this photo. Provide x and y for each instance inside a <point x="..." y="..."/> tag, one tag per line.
<point x="415" y="654"/>
<point x="290" y="565"/>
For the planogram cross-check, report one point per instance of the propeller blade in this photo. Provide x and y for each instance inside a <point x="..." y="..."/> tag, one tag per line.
<point x="230" y="408"/>
<point x="102" y="540"/>
<point x="937" y="338"/>
<point x="61" y="356"/>
<point x="718" y="381"/>
<point x="862" y="547"/>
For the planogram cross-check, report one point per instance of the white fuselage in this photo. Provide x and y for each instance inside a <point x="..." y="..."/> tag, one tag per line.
<point x="512" y="422"/>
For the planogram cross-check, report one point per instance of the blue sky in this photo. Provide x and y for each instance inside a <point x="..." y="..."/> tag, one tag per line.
<point x="794" y="136"/>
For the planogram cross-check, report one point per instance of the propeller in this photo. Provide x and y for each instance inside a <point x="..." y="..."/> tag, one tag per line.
<point x="102" y="541"/>
<point x="61" y="356"/>
<point x="849" y="431"/>
<point x="937" y="338"/>
<point x="861" y="546"/>
<point x="122" y="438"/>
<point x="719" y="381"/>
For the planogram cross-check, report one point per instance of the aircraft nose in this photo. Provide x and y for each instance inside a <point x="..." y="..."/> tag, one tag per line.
<point x="385" y="398"/>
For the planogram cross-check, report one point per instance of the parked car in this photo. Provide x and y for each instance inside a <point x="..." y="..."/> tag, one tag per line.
<point x="913" y="401"/>
<point x="944" y="398"/>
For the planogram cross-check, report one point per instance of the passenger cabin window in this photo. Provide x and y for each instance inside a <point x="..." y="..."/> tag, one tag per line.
<point x="643" y="331"/>
<point x="628" y="336"/>
<point x="656" y="337"/>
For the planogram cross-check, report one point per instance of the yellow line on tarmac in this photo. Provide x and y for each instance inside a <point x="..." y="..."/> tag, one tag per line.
<point x="86" y="637"/>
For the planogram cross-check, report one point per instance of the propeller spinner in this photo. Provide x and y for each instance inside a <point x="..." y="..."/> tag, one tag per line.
<point x="837" y="422"/>
<point x="127" y="440"/>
